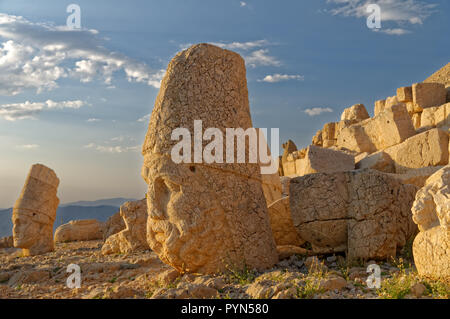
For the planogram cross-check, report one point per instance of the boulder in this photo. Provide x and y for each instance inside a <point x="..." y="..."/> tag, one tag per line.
<point x="379" y="160"/>
<point x="390" y="127"/>
<point x="288" y="148"/>
<point x="355" y="113"/>
<point x="440" y="76"/>
<point x="431" y="212"/>
<point x="204" y="217"/>
<point x="317" y="139"/>
<point x="379" y="106"/>
<point x="286" y="251"/>
<point x="364" y="212"/>
<point x="79" y="230"/>
<point x="448" y="93"/>
<point x="271" y="183"/>
<point x="416" y="176"/>
<point x="391" y="101"/>
<point x="281" y="223"/>
<point x="285" y="180"/>
<point x="416" y="120"/>
<point x="289" y="168"/>
<point x="438" y="116"/>
<point x="134" y="236"/>
<point x="429" y="94"/>
<point x="404" y="94"/>
<point x="113" y="225"/>
<point x="34" y="212"/>
<point x="429" y="148"/>
<point x="319" y="159"/>
<point x="272" y="189"/>
<point x="329" y="134"/>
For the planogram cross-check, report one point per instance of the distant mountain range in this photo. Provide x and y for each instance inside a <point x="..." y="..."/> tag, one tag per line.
<point x="101" y="202"/>
<point x="99" y="209"/>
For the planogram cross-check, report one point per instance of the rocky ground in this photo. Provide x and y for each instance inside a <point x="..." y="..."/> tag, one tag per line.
<point x="143" y="275"/>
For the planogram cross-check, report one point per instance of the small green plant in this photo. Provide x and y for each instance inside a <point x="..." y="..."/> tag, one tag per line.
<point x="437" y="289"/>
<point x="113" y="280"/>
<point x="396" y="287"/>
<point x="310" y="288"/>
<point x="243" y="276"/>
<point x="173" y="284"/>
<point x="278" y="276"/>
<point x="225" y="296"/>
<point x="318" y="269"/>
<point x="343" y="268"/>
<point x="401" y="264"/>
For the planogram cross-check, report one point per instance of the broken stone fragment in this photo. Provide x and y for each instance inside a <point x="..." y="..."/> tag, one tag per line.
<point x="134" y="236"/>
<point x="79" y="230"/>
<point x="363" y="212"/>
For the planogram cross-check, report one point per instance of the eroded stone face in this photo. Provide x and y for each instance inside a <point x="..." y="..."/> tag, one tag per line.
<point x="204" y="217"/>
<point x="186" y="224"/>
<point x="134" y="236"/>
<point x="431" y="212"/>
<point x="35" y="211"/>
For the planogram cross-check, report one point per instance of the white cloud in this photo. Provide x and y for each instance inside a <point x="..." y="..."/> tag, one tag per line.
<point x="318" y="110"/>
<point x="396" y="31"/>
<point x="260" y="57"/>
<point x="145" y="118"/>
<point x="29" y="110"/>
<point x="396" y="12"/>
<point x="112" y="149"/>
<point x="65" y="104"/>
<point x="242" y="45"/>
<point x="281" y="77"/>
<point x="37" y="55"/>
<point x="93" y="120"/>
<point x="243" y="4"/>
<point x="118" y="139"/>
<point x="28" y="146"/>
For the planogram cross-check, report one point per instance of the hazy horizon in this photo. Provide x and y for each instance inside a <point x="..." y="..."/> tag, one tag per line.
<point x="78" y="101"/>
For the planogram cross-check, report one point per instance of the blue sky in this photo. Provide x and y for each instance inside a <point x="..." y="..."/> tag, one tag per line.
<point x="77" y="100"/>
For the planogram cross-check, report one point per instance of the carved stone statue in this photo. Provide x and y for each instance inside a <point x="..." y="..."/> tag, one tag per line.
<point x="204" y="217"/>
<point x="35" y="211"/>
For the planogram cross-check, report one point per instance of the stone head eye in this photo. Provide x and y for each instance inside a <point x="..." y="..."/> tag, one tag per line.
<point x="192" y="168"/>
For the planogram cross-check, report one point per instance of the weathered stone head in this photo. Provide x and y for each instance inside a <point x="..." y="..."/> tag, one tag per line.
<point x="35" y="211"/>
<point x="431" y="212"/>
<point x="133" y="237"/>
<point x="204" y="217"/>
